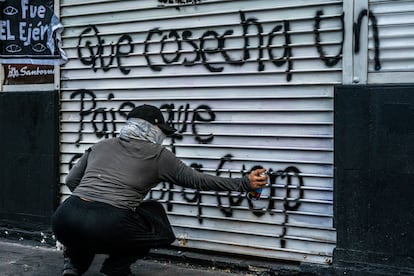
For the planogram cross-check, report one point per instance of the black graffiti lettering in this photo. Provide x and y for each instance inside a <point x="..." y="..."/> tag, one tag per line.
<point x="106" y="67"/>
<point x="201" y="50"/>
<point x="103" y="113"/>
<point x="226" y="210"/>
<point x="222" y="47"/>
<point x="291" y="173"/>
<point x="204" y="51"/>
<point x="223" y="160"/>
<point x="177" y="53"/>
<point x="198" y="118"/>
<point x="182" y="111"/>
<point x="123" y="106"/>
<point x="277" y="61"/>
<point x="287" y="49"/>
<point x="120" y="54"/>
<point x="170" y="112"/>
<point x="152" y="32"/>
<point x="103" y="120"/>
<point x="186" y="38"/>
<point x="288" y="174"/>
<point x="170" y="120"/>
<point x="357" y="33"/>
<point x="166" y="189"/>
<point x="170" y="197"/>
<point x="103" y="132"/>
<point x="273" y="180"/>
<point x="112" y="115"/>
<point x="162" y="190"/>
<point x="197" y="195"/>
<point x="190" y="51"/>
<point x="181" y="122"/>
<point x="82" y="111"/>
<point x="329" y="61"/>
<point x="246" y="23"/>
<point x="178" y="2"/>
<point x="237" y="199"/>
<point x="289" y="177"/>
<point x="96" y="52"/>
<point x="91" y="59"/>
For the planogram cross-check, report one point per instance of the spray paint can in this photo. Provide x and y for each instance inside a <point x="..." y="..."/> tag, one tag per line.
<point x="255" y="194"/>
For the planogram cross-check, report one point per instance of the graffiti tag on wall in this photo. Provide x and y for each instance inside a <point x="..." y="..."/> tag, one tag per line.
<point x="286" y="192"/>
<point x="98" y="56"/>
<point x="178" y="2"/>
<point x="103" y="121"/>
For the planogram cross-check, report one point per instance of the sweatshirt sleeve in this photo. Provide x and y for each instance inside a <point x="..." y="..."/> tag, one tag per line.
<point x="173" y="170"/>
<point x="76" y="173"/>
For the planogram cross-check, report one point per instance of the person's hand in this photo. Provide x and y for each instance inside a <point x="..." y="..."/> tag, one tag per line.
<point x="258" y="179"/>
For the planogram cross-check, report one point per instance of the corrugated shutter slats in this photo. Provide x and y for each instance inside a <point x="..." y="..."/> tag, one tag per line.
<point x="246" y="83"/>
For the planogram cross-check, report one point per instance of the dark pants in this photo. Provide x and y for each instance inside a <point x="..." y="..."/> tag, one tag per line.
<point x="87" y="228"/>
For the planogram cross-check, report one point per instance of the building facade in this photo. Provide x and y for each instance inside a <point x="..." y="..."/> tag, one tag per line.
<point x="246" y="83"/>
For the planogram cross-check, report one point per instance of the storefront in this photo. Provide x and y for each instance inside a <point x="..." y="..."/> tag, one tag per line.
<point x="246" y="83"/>
<point x="30" y="53"/>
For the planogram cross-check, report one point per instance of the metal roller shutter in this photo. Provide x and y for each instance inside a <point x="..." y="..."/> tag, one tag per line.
<point x="391" y="40"/>
<point x="246" y="83"/>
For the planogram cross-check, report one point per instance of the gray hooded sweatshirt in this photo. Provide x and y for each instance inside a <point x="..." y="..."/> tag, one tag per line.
<point x="121" y="171"/>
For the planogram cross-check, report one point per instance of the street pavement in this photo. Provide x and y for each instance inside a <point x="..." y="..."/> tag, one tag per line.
<point x="29" y="259"/>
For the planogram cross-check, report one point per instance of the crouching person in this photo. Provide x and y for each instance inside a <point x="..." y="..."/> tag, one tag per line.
<point x="107" y="214"/>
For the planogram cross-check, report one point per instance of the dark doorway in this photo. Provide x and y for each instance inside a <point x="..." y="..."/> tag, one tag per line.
<point x="29" y="133"/>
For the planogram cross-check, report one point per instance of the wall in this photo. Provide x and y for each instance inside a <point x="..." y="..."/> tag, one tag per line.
<point x="373" y="149"/>
<point x="391" y="36"/>
<point x="373" y="178"/>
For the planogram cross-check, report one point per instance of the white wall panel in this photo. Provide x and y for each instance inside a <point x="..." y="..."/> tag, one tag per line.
<point x="260" y="74"/>
<point x="395" y="25"/>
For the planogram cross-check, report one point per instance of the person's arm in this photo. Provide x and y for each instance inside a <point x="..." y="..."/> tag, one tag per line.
<point x="76" y="172"/>
<point x="175" y="171"/>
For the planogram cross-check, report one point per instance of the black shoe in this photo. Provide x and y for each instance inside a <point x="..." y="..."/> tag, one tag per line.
<point x="69" y="269"/>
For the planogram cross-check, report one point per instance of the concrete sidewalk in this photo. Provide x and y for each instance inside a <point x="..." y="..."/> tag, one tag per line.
<point x="28" y="259"/>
